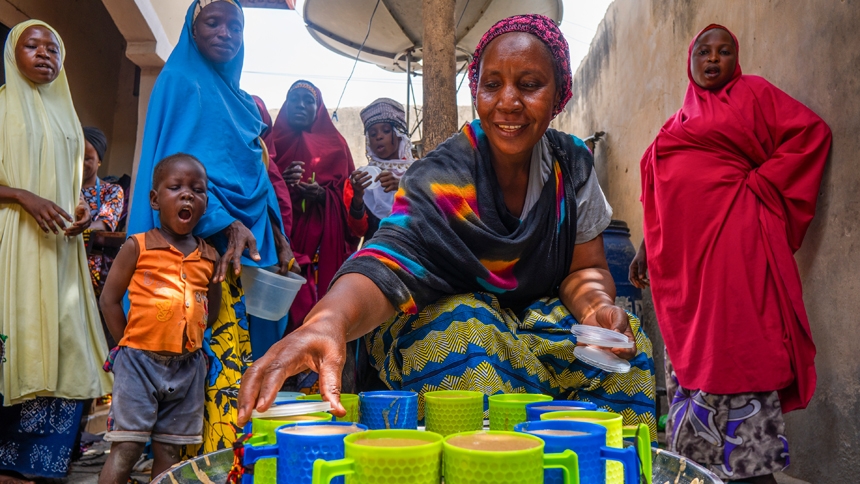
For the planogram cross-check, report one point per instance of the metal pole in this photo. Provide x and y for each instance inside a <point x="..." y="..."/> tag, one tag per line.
<point x="408" y="86"/>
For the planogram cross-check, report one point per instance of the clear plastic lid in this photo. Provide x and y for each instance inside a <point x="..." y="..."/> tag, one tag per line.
<point x="374" y="172"/>
<point x="292" y="408"/>
<point x="594" y="335"/>
<point x="600" y="358"/>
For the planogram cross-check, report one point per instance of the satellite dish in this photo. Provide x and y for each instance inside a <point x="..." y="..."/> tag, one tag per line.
<point x="395" y="41"/>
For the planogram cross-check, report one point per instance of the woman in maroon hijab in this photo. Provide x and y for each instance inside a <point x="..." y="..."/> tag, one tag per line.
<point x="315" y="162"/>
<point x="729" y="188"/>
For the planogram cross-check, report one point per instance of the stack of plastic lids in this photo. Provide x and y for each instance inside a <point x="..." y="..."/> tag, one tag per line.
<point x="292" y="408"/>
<point x="598" y="338"/>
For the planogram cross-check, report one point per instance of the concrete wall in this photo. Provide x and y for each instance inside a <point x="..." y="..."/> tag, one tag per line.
<point x="101" y="78"/>
<point x="634" y="78"/>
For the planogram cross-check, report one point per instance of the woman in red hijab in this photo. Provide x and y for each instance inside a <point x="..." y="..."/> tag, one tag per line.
<point x="729" y="188"/>
<point x="315" y="162"/>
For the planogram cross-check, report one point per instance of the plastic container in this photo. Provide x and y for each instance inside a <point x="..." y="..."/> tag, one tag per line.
<point x="269" y="295"/>
<point x="374" y="172"/>
<point x="600" y="358"/>
<point x="597" y="336"/>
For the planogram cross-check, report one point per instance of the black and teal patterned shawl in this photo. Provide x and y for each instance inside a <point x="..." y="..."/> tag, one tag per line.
<point x="451" y="233"/>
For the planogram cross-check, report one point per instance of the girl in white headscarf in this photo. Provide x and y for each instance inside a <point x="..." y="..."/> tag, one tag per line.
<point x="50" y="334"/>
<point x="389" y="155"/>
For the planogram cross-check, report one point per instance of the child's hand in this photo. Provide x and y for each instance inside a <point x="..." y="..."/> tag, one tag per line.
<point x="389" y="182"/>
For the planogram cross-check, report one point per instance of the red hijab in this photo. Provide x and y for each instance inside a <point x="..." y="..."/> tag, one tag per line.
<point x="281" y="191"/>
<point x="320" y="227"/>
<point x="729" y="188"/>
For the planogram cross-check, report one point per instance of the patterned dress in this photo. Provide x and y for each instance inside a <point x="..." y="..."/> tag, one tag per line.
<point x="105" y="201"/>
<point x="37" y="436"/>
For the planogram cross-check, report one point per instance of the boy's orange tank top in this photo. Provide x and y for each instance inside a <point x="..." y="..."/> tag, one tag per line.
<point x="168" y="295"/>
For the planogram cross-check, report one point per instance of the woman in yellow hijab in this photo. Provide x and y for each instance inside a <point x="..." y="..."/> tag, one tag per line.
<point x="51" y="344"/>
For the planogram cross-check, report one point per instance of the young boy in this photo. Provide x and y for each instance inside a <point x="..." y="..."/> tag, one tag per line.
<point x="159" y="371"/>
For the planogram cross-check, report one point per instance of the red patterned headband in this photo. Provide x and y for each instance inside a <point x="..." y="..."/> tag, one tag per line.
<point x="544" y="29"/>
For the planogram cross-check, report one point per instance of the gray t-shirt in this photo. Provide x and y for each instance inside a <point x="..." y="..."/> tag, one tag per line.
<point x="593" y="212"/>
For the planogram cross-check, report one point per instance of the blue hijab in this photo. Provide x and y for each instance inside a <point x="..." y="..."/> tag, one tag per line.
<point x="196" y="107"/>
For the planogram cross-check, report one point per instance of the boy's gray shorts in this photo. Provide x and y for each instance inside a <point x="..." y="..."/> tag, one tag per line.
<point x="157" y="396"/>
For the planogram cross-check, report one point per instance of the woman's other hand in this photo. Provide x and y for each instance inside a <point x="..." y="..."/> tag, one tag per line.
<point x="312" y="192"/>
<point x="239" y="237"/>
<point x="49" y="215"/>
<point x="83" y="219"/>
<point x="360" y="181"/>
<point x="293" y="174"/>
<point x="639" y="269"/>
<point x="285" y="255"/>
<point x="614" y="318"/>
<point x="390" y="183"/>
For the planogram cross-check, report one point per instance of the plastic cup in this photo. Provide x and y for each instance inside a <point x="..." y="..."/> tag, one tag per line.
<point x="296" y="453"/>
<point x="385" y="410"/>
<point x="269" y="295"/>
<point x="614" y="434"/>
<point x="451" y="411"/>
<point x="536" y="409"/>
<point x="349" y="402"/>
<point x="418" y="463"/>
<point x="263" y="429"/>
<point x="471" y="466"/>
<point x="590" y="447"/>
<point x="509" y="409"/>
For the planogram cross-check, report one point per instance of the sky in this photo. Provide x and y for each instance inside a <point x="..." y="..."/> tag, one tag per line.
<point x="279" y="50"/>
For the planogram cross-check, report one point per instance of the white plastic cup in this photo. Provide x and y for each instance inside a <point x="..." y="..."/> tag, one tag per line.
<point x="269" y="295"/>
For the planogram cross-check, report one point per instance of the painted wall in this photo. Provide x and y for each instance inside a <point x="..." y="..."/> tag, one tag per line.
<point x="634" y="78"/>
<point x="101" y="78"/>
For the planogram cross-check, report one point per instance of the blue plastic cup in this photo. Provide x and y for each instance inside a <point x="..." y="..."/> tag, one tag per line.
<point x="296" y="452"/>
<point x="589" y="446"/>
<point x="385" y="410"/>
<point x="535" y="409"/>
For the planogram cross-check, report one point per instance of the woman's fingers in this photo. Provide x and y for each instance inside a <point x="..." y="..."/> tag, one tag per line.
<point x="330" y="384"/>
<point x="221" y="268"/>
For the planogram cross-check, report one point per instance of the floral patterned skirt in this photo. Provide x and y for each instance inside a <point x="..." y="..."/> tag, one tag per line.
<point x="735" y="436"/>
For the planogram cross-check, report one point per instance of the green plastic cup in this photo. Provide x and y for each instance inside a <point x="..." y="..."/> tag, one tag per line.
<point x="509" y="409"/>
<point x="614" y="435"/>
<point x="263" y="429"/>
<point x="451" y="411"/>
<point x="526" y="466"/>
<point x="415" y="457"/>
<point x="349" y="402"/>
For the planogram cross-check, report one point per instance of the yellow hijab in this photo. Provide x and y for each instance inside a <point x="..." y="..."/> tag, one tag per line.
<point x="54" y="342"/>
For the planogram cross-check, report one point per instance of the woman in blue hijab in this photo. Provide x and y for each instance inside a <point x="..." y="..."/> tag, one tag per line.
<point x="197" y="108"/>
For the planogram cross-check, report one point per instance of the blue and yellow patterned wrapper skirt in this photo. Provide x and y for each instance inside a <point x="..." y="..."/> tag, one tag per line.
<point x="468" y="342"/>
<point x="227" y="345"/>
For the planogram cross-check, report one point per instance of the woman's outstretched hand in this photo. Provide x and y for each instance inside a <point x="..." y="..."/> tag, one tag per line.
<point x="614" y="318"/>
<point x="319" y="346"/>
<point x="360" y="181"/>
<point x="83" y="219"/>
<point x="639" y="269"/>
<point x="239" y="237"/>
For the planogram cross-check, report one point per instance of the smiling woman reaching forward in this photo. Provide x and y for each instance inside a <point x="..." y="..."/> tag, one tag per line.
<point x="491" y="254"/>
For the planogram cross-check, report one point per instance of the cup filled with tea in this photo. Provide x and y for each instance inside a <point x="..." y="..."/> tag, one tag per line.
<point x="588" y="440"/>
<point x="613" y="423"/>
<point x="451" y="411"/>
<point x="349" y="402"/>
<point x="386" y="457"/>
<point x="483" y="457"/>
<point x="300" y="444"/>
<point x="509" y="409"/>
<point x="536" y="409"/>
<point x="386" y="410"/>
